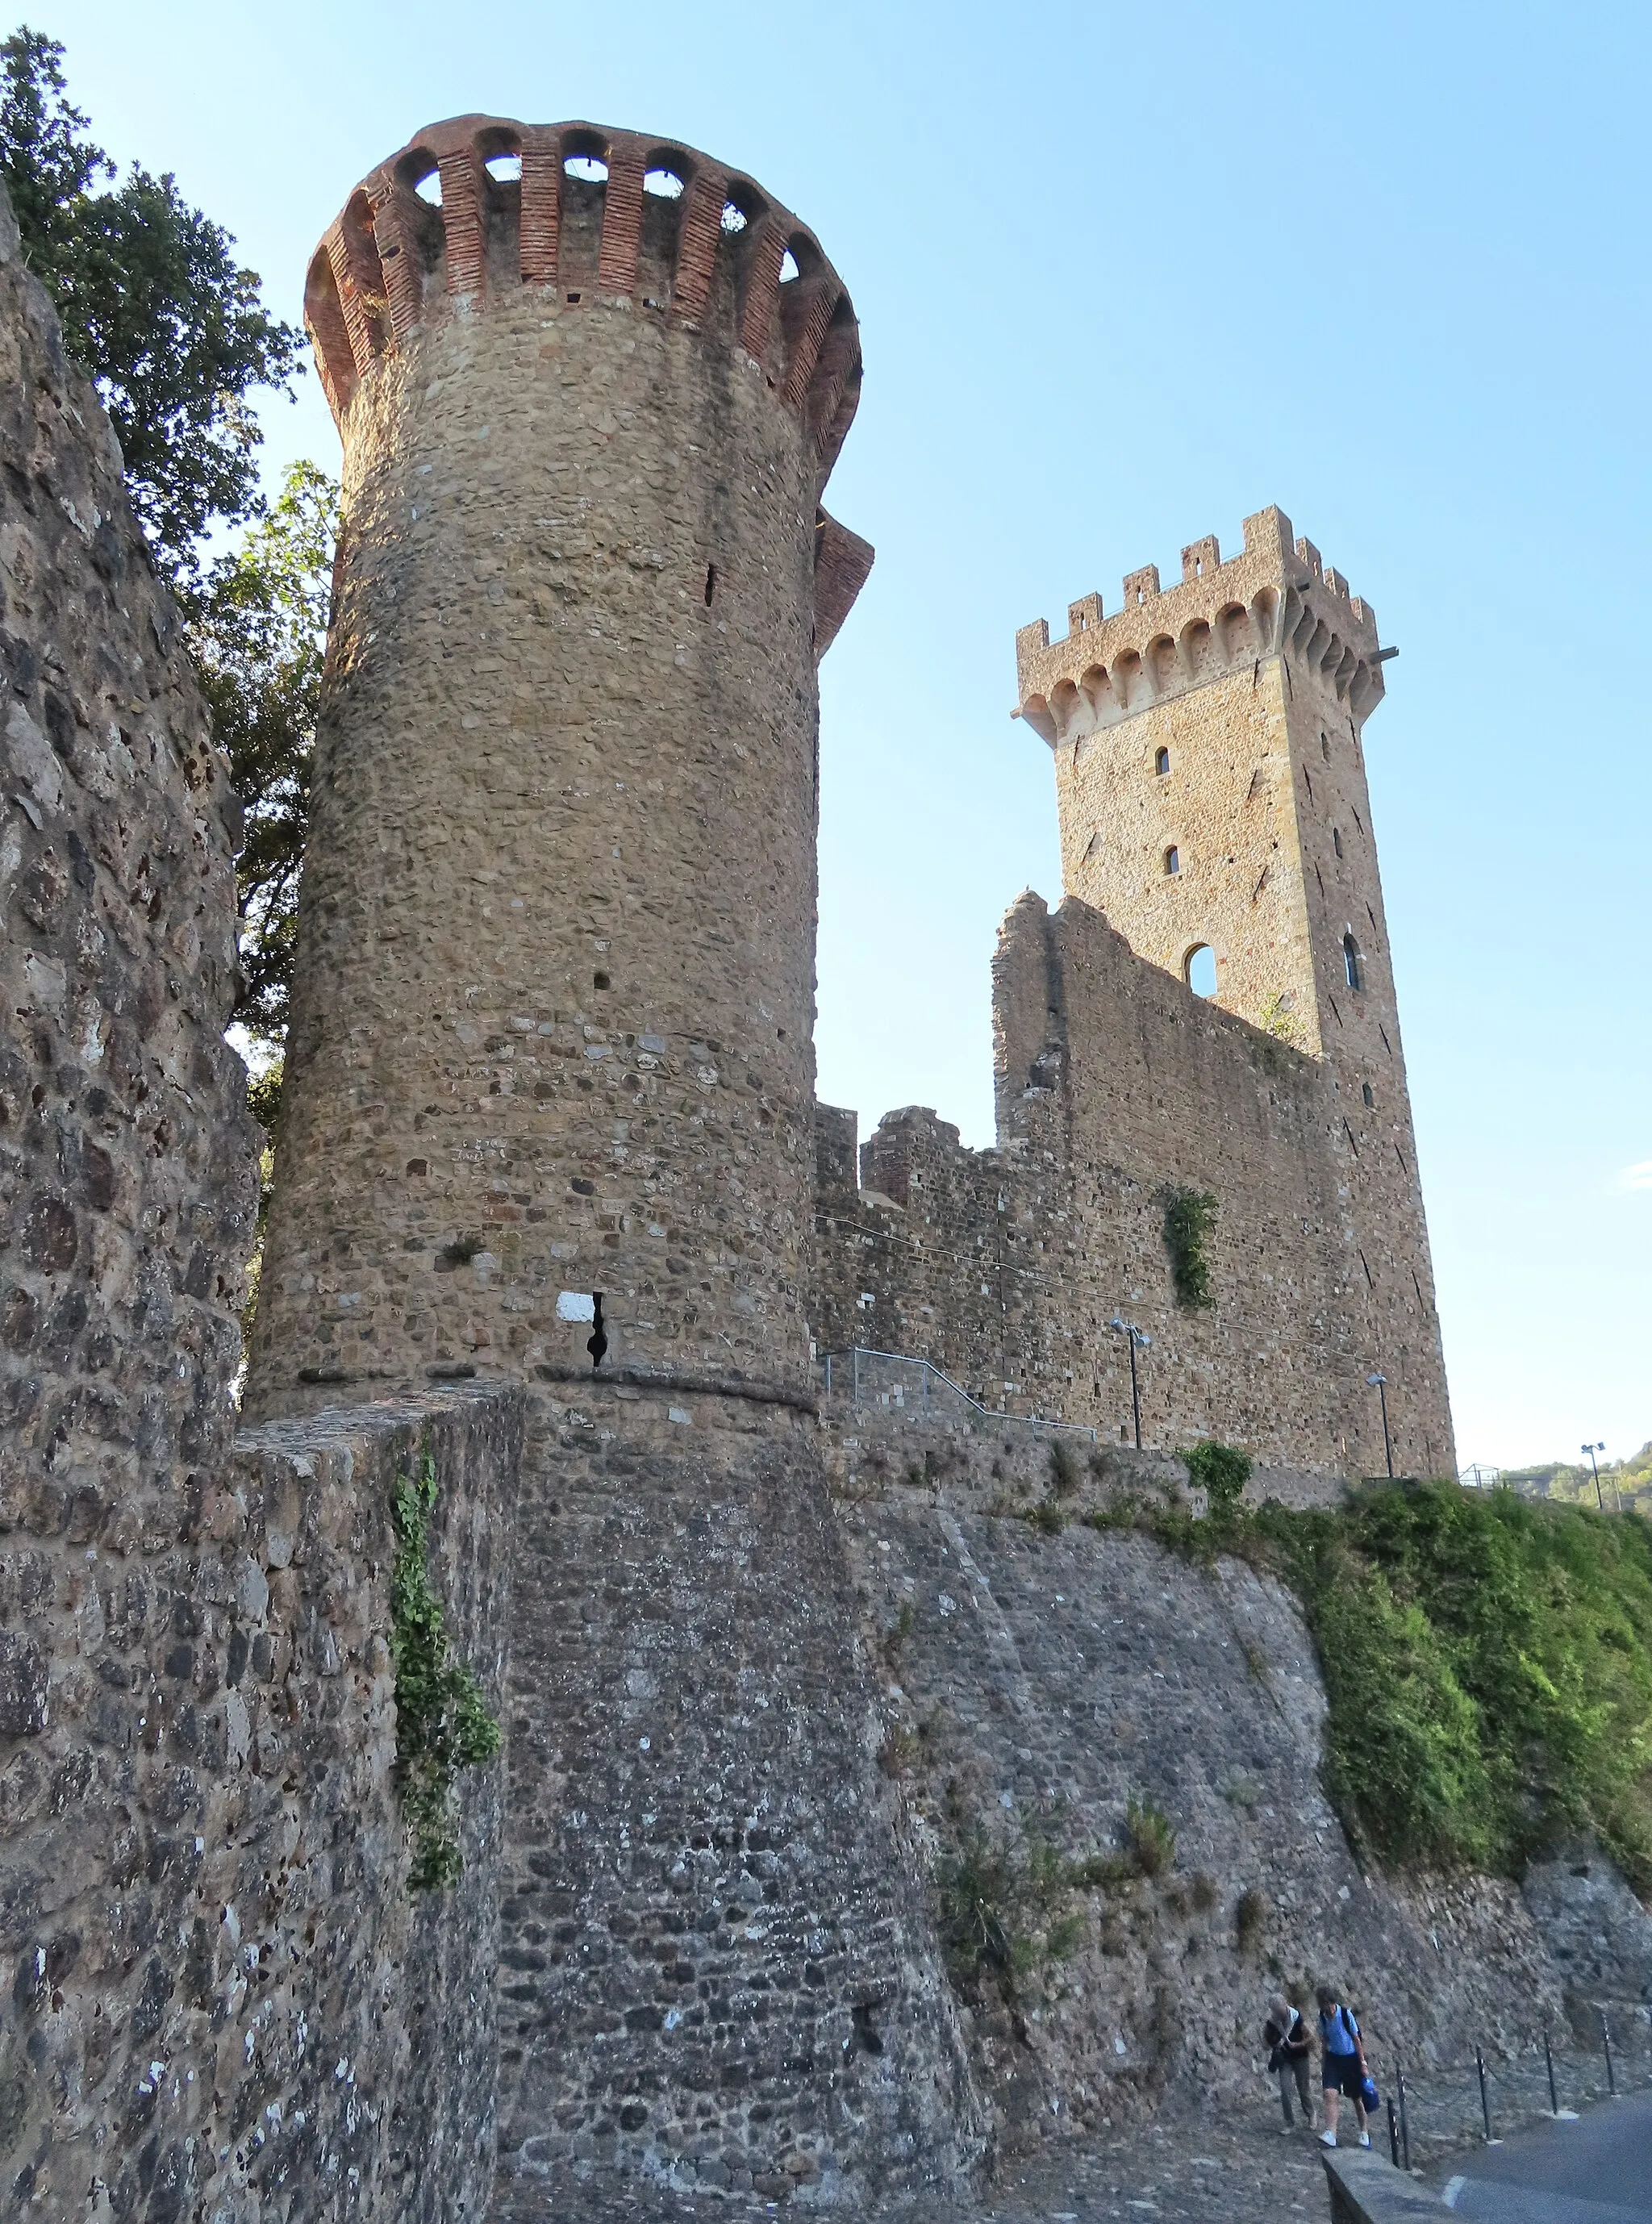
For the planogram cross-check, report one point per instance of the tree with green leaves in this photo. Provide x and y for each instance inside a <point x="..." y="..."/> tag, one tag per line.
<point x="258" y="632"/>
<point x="153" y="303"/>
<point x="174" y="334"/>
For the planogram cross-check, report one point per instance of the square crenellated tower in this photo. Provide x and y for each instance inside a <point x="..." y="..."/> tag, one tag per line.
<point x="1210" y="784"/>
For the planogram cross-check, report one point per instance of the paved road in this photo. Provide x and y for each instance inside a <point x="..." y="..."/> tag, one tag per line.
<point x="1597" y="2171"/>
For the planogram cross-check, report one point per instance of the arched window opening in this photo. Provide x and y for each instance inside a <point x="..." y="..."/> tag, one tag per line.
<point x="1353" y="965"/>
<point x="1200" y="971"/>
<point x="1173" y="859"/>
<point x="504" y="169"/>
<point x="1161" y="763"/>
<point x="430" y="189"/>
<point x="1336" y="841"/>
<point x="1324" y="747"/>
<point x="1369" y="1094"/>
<point x="590" y="168"/>
<point x="665" y="183"/>
<point x="734" y="219"/>
<point x="788" y="268"/>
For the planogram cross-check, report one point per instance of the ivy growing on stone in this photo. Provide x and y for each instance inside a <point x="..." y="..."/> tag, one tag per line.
<point x="1187" y="1217"/>
<point x="442" y="1723"/>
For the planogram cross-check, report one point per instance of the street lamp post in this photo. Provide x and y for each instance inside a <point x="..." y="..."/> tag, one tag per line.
<point x="1136" y="1337"/>
<point x="1591" y="1449"/>
<point x="1379" y="1384"/>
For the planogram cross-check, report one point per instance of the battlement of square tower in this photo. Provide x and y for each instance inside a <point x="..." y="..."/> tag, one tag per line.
<point x="1277" y="596"/>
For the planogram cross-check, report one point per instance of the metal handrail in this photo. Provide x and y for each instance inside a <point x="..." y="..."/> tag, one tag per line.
<point x="858" y="1352"/>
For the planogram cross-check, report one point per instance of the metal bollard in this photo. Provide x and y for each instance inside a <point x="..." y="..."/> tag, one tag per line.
<point x="1393" y="2133"/>
<point x="1485" y="2108"/>
<point x="828" y="1374"/>
<point x="1405" y="2126"/>
<point x="1605" y="2040"/>
<point x="1549" y="2058"/>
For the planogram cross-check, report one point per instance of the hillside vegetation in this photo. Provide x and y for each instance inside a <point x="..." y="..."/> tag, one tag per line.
<point x="1626" y="1482"/>
<point x="1487" y="1661"/>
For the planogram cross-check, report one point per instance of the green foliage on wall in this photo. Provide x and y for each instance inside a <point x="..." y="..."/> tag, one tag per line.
<point x="1187" y="1217"/>
<point x="1487" y="1660"/>
<point x="1221" y="1471"/>
<point x="443" y="1724"/>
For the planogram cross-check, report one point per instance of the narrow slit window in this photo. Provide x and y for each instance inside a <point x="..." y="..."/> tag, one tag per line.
<point x="711" y="584"/>
<point x="1324" y="747"/>
<point x="1161" y="763"/>
<point x="1336" y="841"/>
<point x="1352" y="964"/>
<point x="1369" y="1094"/>
<point x="1173" y="859"/>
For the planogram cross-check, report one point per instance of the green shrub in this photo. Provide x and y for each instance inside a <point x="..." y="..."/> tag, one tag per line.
<point x="1487" y="1662"/>
<point x="1187" y="1217"/>
<point x="443" y="1724"/>
<point x="1249" y="1918"/>
<point x="1047" y="1518"/>
<point x="1489" y="1666"/>
<point x="1221" y="1471"/>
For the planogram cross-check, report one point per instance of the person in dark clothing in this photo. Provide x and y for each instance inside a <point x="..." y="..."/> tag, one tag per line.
<point x="1286" y="2037"/>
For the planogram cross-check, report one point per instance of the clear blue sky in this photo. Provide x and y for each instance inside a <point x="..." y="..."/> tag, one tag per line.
<point x="1125" y="275"/>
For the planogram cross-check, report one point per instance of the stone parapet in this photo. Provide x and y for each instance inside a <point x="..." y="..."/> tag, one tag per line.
<point x="1276" y="598"/>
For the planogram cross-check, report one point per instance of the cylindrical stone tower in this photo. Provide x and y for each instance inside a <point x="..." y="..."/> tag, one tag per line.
<point x="553" y="1026"/>
<point x="552" y="1044"/>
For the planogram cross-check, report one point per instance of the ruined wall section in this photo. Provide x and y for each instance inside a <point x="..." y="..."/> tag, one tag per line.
<point x="127" y="1161"/>
<point x="1117" y="1086"/>
<point x="912" y="1255"/>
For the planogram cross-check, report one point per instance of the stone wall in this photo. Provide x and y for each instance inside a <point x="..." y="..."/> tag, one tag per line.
<point x="221" y="1996"/>
<point x="720" y="1965"/>
<point x="1035" y="1684"/>
<point x="1116" y="1086"/>
<point x="127" y="1162"/>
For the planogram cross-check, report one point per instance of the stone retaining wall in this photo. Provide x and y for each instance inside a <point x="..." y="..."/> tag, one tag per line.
<point x="218" y="1988"/>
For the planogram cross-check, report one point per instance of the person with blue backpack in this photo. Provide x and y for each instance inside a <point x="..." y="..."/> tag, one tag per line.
<point x="1345" y="2071"/>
